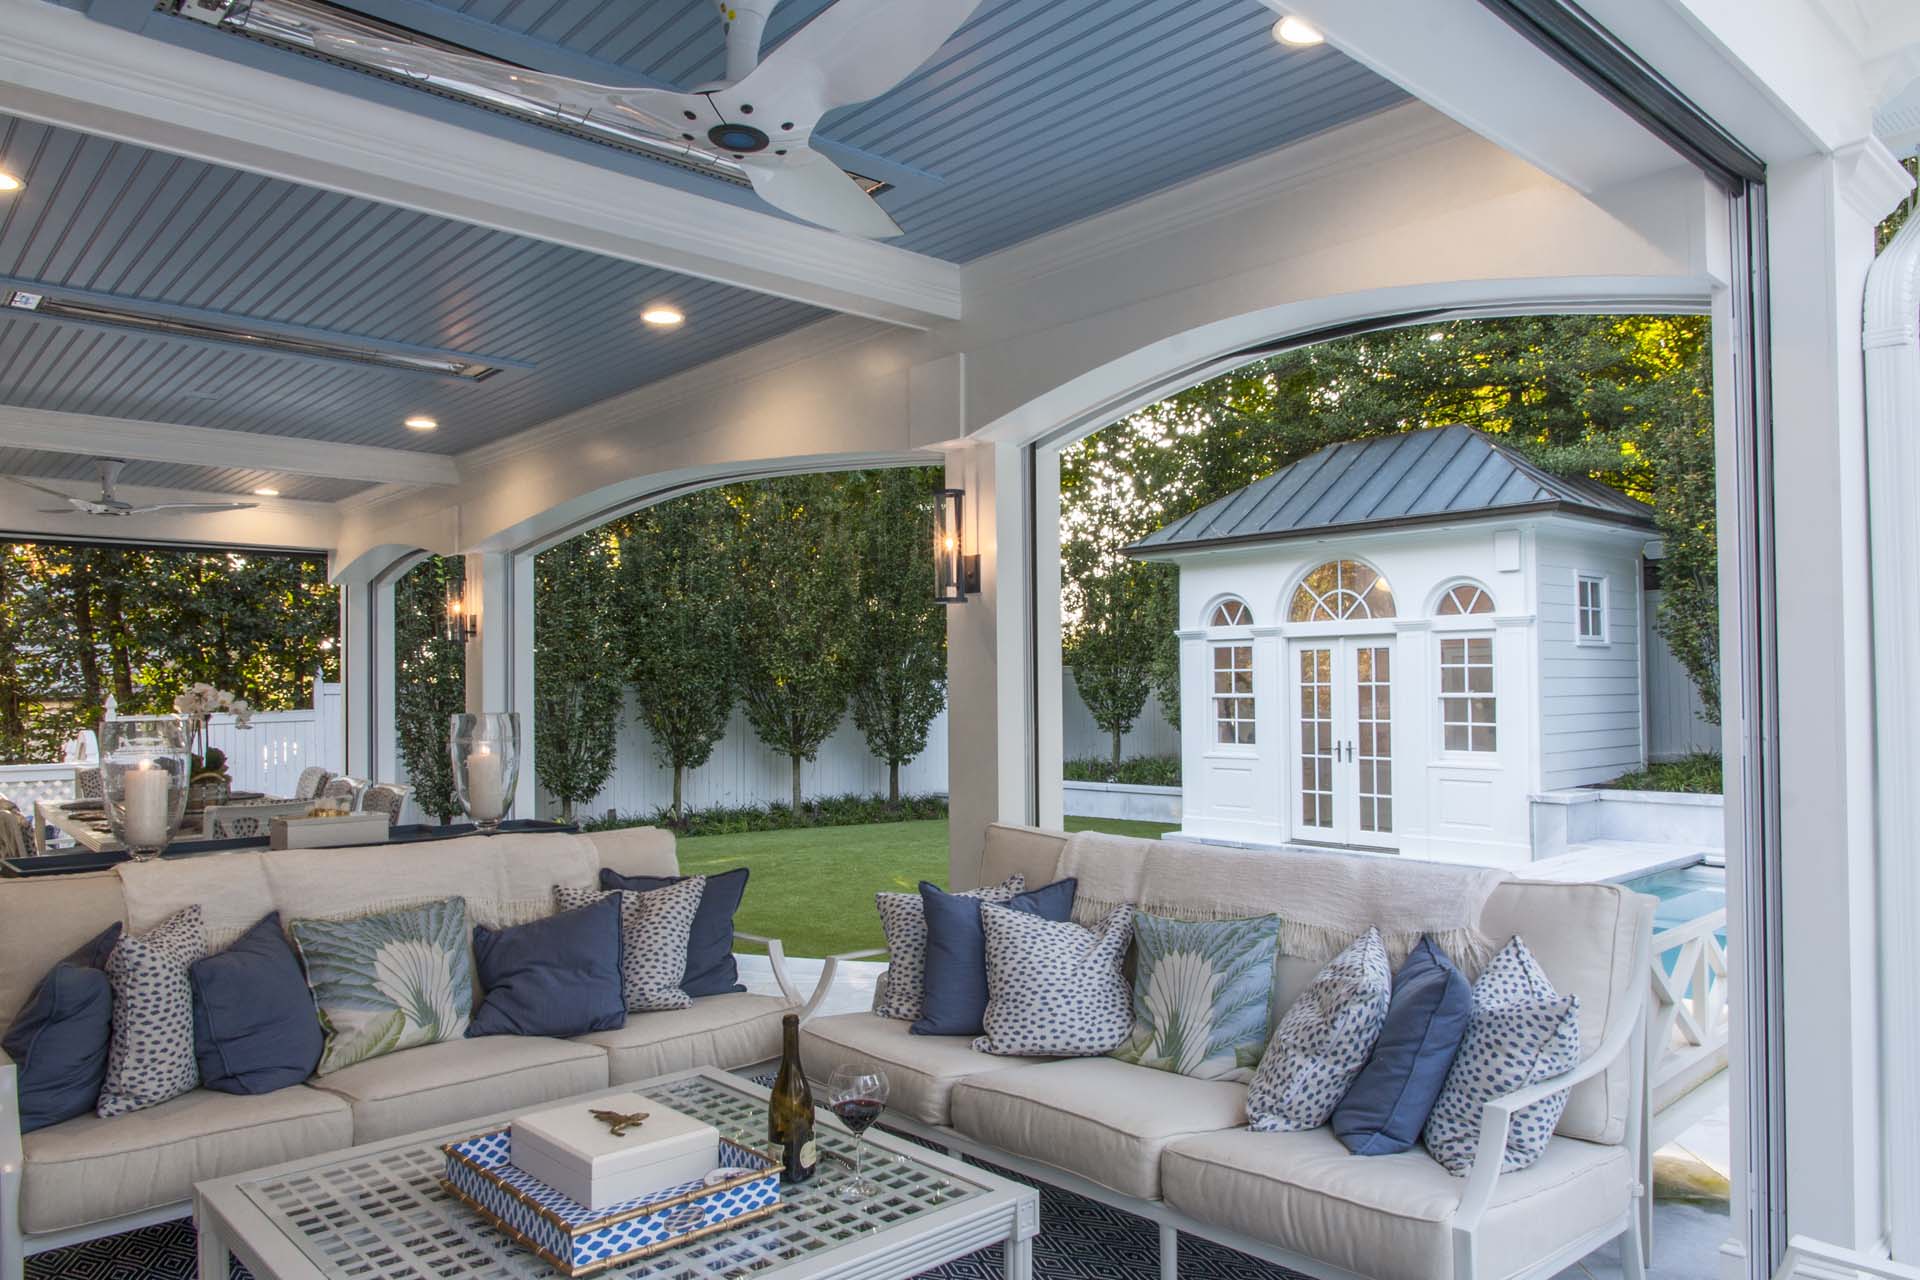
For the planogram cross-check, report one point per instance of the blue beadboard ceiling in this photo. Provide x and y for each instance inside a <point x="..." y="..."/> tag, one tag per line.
<point x="80" y="476"/>
<point x="119" y="220"/>
<point x="1033" y="116"/>
<point x="1037" y="113"/>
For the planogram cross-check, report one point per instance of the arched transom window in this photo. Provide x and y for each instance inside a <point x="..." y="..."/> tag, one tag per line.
<point x="1341" y="589"/>
<point x="1464" y="597"/>
<point x="1231" y="613"/>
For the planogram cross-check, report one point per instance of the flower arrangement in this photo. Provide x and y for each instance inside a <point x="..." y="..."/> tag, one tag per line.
<point x="198" y="703"/>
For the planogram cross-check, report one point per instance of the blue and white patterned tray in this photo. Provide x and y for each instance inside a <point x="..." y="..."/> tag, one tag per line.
<point x="579" y="1241"/>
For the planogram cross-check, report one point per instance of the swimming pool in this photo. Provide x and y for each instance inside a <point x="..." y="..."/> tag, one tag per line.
<point x="1685" y="893"/>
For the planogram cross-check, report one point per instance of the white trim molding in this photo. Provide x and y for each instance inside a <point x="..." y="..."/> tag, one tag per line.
<point x="1892" y="350"/>
<point x="85" y="434"/>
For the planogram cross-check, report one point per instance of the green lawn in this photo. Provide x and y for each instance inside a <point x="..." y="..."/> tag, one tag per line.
<point x="813" y="888"/>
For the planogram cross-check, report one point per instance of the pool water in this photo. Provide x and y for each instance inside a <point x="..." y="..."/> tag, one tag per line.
<point x="1685" y="893"/>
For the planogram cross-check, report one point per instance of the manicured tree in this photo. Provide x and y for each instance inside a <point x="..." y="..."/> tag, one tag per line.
<point x="576" y="668"/>
<point x="900" y="667"/>
<point x="678" y="621"/>
<point x="799" y="595"/>
<point x="1109" y="648"/>
<point x="430" y="681"/>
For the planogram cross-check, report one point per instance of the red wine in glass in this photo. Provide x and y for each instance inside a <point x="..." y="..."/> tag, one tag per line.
<point x="858" y="1113"/>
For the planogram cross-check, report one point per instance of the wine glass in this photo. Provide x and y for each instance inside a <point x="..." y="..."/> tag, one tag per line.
<point x="858" y="1094"/>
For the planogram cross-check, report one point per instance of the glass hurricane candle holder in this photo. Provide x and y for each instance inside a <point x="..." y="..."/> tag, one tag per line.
<point x="486" y="765"/>
<point x="144" y="770"/>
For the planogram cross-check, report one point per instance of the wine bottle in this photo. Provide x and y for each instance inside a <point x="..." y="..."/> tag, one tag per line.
<point x="790" y="1112"/>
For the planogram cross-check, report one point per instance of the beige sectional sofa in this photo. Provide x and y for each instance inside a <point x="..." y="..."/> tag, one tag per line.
<point x="1177" y="1150"/>
<point x="89" y="1177"/>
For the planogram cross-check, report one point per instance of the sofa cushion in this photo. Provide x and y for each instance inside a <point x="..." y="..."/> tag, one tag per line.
<point x="254" y="1025"/>
<point x="42" y="920"/>
<point x="903" y="919"/>
<point x="456" y="1080"/>
<point x="711" y="970"/>
<point x="554" y="977"/>
<point x="1100" y="1118"/>
<point x="60" y="1038"/>
<point x="1388" y="1217"/>
<point x="728" y="1031"/>
<point x="89" y="1169"/>
<point x="1324" y="1040"/>
<point x="1388" y="1105"/>
<point x="388" y="981"/>
<point x="954" y="989"/>
<point x="150" y="1057"/>
<point x="1202" y="995"/>
<point x="1055" y="987"/>
<point x="921" y="1070"/>
<point x="655" y="928"/>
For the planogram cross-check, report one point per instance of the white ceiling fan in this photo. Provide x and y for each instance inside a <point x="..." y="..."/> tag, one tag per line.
<point x="760" y="117"/>
<point x="109" y="505"/>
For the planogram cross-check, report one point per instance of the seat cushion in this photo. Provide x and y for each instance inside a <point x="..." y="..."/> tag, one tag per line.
<point x="1101" y="1118"/>
<point x="1386" y="1217"/>
<point x="455" y="1080"/>
<point x="735" y="1030"/>
<point x="88" y="1169"/>
<point x="921" y="1070"/>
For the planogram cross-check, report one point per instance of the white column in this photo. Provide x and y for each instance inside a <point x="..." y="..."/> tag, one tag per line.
<point x="499" y="590"/>
<point x="990" y="769"/>
<point x="385" y="754"/>
<point x="360" y="665"/>
<point x="1049" y="671"/>
<point x="1822" y="211"/>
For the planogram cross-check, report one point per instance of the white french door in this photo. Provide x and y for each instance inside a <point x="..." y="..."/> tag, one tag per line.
<point x="1343" y="741"/>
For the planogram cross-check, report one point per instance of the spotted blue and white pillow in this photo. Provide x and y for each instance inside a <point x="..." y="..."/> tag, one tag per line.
<point x="901" y="993"/>
<point x="1055" y="989"/>
<point x="1324" y="1040"/>
<point x="150" y="1056"/>
<point x="1522" y="1031"/>
<point x="655" y="927"/>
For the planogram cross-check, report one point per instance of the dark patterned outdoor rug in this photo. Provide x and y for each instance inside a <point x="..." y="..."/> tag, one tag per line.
<point x="1078" y="1238"/>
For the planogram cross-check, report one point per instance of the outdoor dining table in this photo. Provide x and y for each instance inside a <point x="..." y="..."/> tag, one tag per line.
<point x="85" y="821"/>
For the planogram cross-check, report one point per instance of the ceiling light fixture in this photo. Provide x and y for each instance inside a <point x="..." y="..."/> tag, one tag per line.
<point x="1291" y="30"/>
<point x="9" y="183"/>
<point x="421" y="422"/>
<point x="264" y="492"/>
<point x="661" y="316"/>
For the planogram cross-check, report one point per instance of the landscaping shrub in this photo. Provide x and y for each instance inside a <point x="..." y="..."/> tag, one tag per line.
<point x="1699" y="774"/>
<point x="825" y="811"/>
<point x="1135" y="771"/>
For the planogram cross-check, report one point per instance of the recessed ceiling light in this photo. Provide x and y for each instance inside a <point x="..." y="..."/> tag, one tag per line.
<point x="9" y="183"/>
<point x="662" y="316"/>
<point x="1291" y="30"/>
<point x="264" y="492"/>
<point x="420" y="422"/>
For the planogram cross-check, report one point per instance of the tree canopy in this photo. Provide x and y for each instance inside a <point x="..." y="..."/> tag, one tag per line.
<point x="576" y="668"/>
<point x="1623" y="399"/>
<point x="430" y="681"/>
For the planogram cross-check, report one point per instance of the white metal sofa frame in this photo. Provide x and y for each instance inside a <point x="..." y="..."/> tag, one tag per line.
<point x="1634" y="1228"/>
<point x="17" y="1246"/>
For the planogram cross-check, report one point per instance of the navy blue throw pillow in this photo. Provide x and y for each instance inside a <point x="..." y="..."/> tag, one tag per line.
<point x="710" y="967"/>
<point x="255" y="1028"/>
<point x="956" y="968"/>
<point x="554" y="977"/>
<point x="1387" y="1106"/>
<point x="59" y="1038"/>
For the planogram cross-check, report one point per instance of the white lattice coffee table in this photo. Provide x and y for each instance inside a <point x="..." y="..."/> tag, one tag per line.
<point x="377" y="1212"/>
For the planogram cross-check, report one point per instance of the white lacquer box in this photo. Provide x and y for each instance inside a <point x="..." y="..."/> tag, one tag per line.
<point x="576" y="1154"/>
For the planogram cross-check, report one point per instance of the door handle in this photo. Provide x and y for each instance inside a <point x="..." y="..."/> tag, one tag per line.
<point x="1349" y="753"/>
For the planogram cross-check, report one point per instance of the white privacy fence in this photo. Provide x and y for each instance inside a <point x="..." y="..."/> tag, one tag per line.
<point x="266" y="757"/>
<point x="1675" y="726"/>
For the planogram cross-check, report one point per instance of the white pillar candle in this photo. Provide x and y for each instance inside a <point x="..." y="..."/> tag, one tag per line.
<point x="148" y="817"/>
<point x="486" y="796"/>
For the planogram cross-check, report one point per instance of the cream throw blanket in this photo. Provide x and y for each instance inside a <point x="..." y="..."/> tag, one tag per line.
<point x="1324" y="900"/>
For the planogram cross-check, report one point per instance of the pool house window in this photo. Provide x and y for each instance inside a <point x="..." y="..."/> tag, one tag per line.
<point x="1467" y="717"/>
<point x="1590" y="610"/>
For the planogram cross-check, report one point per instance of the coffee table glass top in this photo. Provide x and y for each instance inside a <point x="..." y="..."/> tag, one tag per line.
<point x="384" y="1215"/>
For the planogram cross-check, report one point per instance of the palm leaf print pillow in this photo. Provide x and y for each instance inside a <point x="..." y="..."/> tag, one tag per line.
<point x="389" y="981"/>
<point x="1202" y="995"/>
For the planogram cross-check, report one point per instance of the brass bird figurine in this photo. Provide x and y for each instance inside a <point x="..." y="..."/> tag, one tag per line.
<point x="618" y="1123"/>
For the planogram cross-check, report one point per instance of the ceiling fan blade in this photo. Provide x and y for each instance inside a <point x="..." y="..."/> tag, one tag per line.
<point x="807" y="185"/>
<point x="61" y="511"/>
<point x="39" y="488"/>
<point x="190" y="506"/>
<point x="852" y="51"/>
<point x="508" y="85"/>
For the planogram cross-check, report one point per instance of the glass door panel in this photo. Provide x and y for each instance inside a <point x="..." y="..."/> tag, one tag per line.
<point x="1318" y="755"/>
<point x="1343" y="742"/>
<point x="1373" y="737"/>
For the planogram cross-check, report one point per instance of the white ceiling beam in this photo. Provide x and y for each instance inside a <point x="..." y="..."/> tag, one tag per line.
<point x="128" y="438"/>
<point x="59" y="67"/>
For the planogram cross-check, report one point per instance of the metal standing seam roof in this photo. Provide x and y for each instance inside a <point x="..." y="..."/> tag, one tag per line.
<point x="1430" y="476"/>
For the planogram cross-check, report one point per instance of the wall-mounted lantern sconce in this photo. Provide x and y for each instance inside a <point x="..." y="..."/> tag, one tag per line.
<point x="955" y="573"/>
<point x="462" y="624"/>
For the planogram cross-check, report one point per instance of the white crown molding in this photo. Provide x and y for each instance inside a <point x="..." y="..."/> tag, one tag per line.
<point x="58" y="66"/>
<point x="1365" y="144"/>
<point x="1872" y="182"/>
<point x="85" y="434"/>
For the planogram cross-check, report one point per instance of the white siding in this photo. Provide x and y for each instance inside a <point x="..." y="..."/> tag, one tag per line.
<point x="1590" y="703"/>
